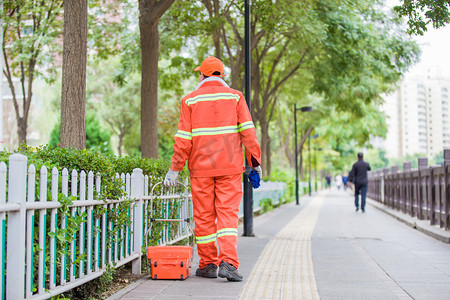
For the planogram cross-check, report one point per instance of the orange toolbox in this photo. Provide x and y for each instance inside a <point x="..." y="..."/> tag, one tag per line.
<point x="170" y="262"/>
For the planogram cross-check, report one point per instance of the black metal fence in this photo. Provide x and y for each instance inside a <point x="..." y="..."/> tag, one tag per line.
<point x="423" y="193"/>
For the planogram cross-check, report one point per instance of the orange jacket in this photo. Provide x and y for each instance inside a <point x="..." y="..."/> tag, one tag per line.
<point x="214" y="124"/>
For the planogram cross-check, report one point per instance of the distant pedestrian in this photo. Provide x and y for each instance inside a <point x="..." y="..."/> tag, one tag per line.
<point x="338" y="179"/>
<point x="345" y="181"/>
<point x="328" y="179"/>
<point x="358" y="176"/>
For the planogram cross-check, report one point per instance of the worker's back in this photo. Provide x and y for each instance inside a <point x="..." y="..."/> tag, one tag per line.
<point x="216" y="121"/>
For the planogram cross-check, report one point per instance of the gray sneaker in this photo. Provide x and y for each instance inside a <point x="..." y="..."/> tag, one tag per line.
<point x="210" y="271"/>
<point x="229" y="272"/>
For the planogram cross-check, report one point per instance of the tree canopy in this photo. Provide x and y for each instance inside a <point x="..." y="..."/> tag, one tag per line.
<point x="420" y="13"/>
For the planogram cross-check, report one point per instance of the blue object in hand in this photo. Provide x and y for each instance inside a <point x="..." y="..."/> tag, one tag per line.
<point x="254" y="179"/>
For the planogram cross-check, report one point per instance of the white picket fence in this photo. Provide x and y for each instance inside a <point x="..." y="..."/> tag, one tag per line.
<point x="88" y="255"/>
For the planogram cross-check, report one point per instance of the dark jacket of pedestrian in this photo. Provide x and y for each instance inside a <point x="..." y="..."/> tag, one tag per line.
<point x="358" y="174"/>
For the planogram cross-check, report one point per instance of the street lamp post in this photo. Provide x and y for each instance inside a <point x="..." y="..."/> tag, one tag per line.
<point x="248" y="191"/>
<point x="303" y="109"/>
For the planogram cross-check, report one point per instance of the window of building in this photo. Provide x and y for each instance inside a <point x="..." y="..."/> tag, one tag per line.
<point x="444" y="89"/>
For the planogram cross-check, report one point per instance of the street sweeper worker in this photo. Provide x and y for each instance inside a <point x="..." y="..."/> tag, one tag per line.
<point x="214" y="124"/>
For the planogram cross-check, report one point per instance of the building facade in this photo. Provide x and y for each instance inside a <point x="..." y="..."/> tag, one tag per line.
<point x="418" y="115"/>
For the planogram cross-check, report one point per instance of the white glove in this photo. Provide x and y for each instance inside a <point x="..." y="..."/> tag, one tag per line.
<point x="258" y="170"/>
<point x="171" y="178"/>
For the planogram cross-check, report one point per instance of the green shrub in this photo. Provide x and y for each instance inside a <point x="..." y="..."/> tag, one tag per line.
<point x="287" y="176"/>
<point x="96" y="138"/>
<point x="107" y="166"/>
<point x="266" y="205"/>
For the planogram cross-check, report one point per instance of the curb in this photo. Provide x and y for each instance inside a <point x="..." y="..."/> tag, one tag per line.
<point x="421" y="225"/>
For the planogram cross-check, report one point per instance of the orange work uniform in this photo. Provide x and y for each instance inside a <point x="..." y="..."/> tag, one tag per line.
<point x="214" y="124"/>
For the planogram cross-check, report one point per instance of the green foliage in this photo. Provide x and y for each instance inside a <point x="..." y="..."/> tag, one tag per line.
<point x="104" y="24"/>
<point x="266" y="205"/>
<point x="107" y="166"/>
<point x="376" y="158"/>
<point x="365" y="56"/>
<point x="412" y="158"/>
<point x="29" y="29"/>
<point x="344" y="132"/>
<point x="421" y="13"/>
<point x="87" y="160"/>
<point x="117" y="105"/>
<point x="95" y="288"/>
<point x="287" y="176"/>
<point x="439" y="158"/>
<point x="96" y="138"/>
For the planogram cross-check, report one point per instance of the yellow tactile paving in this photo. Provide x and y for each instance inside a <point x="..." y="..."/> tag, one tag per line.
<point x="285" y="269"/>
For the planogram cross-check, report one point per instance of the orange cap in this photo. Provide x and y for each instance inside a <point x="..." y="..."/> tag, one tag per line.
<point x="211" y="65"/>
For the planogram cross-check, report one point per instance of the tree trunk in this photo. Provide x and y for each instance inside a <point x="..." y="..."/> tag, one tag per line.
<point x="284" y="141"/>
<point x="265" y="147"/>
<point x="150" y="13"/>
<point x="121" y="136"/>
<point x="213" y="7"/>
<point x="73" y="97"/>
<point x="302" y="142"/>
<point x="300" y="166"/>
<point x="22" y="130"/>
<point x="149" y="90"/>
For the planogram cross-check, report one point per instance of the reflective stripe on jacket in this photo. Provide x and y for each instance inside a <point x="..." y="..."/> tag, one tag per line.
<point x="214" y="124"/>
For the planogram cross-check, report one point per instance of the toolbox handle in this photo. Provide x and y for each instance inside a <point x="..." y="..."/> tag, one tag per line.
<point x="159" y="183"/>
<point x="187" y="220"/>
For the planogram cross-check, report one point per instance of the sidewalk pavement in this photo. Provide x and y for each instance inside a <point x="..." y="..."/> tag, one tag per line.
<point x="322" y="249"/>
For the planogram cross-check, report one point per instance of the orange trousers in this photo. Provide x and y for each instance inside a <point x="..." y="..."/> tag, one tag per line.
<point x="216" y="205"/>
